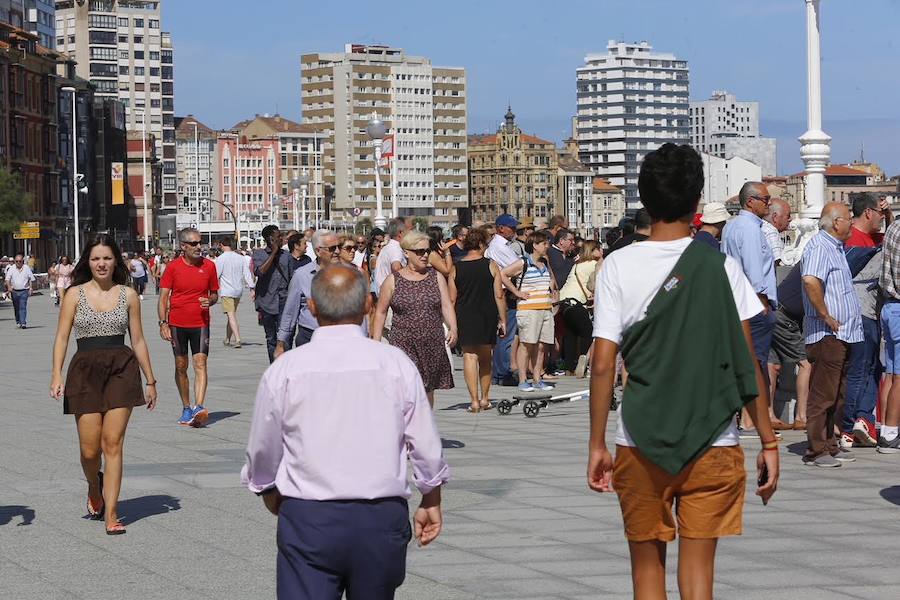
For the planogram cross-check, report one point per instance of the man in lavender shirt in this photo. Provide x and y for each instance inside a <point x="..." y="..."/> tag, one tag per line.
<point x="333" y="425"/>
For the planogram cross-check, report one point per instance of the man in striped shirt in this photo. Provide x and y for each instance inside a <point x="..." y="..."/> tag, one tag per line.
<point x="832" y="322"/>
<point x="534" y="316"/>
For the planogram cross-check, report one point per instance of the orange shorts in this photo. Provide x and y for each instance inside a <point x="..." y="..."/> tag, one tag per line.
<point x="708" y="495"/>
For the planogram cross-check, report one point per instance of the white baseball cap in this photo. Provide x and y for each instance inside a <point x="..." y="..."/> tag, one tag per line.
<point x="714" y="212"/>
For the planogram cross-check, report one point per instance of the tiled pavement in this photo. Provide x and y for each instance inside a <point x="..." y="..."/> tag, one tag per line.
<point x="520" y="521"/>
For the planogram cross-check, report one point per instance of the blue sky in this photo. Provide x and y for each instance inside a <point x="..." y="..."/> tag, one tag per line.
<point x="234" y="59"/>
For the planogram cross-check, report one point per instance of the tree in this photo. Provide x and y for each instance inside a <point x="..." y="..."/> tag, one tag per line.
<point x="420" y="224"/>
<point x="363" y="226"/>
<point x="13" y="202"/>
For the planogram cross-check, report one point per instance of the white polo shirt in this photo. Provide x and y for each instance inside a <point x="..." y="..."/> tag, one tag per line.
<point x="19" y="279"/>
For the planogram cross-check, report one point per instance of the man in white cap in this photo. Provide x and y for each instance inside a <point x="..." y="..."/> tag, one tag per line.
<point x="713" y="220"/>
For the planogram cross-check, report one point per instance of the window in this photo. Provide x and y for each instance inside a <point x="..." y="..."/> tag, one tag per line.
<point x="167" y="73"/>
<point x="124" y="54"/>
<point x="123" y="39"/>
<point x="103" y="70"/>
<point x="154" y="71"/>
<point x="154" y="56"/>
<point x="167" y="57"/>
<point x="154" y="103"/>
<point x="123" y="21"/>
<point x="138" y="22"/>
<point x="138" y="39"/>
<point x="154" y="23"/>
<point x="138" y="55"/>
<point x="103" y="53"/>
<point x="139" y="87"/>
<point x="124" y="70"/>
<point x="101" y="37"/>
<point x="154" y="87"/>
<point x="106" y="21"/>
<point x="139" y="71"/>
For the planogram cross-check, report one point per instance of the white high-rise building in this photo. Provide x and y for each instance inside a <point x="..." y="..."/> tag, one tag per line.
<point x="423" y="106"/>
<point x="34" y="16"/>
<point x="724" y="127"/>
<point x="631" y="100"/>
<point x="120" y="47"/>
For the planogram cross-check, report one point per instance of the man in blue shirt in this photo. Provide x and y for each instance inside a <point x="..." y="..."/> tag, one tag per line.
<point x="743" y="239"/>
<point x="832" y="322"/>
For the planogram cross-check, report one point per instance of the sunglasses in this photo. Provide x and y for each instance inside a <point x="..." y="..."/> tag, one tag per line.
<point x="192" y="244"/>
<point x="420" y="252"/>
<point x="331" y="249"/>
<point x="348" y="248"/>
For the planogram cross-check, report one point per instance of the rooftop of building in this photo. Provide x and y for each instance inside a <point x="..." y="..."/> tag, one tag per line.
<point x="275" y="124"/>
<point x="486" y="139"/>
<point x="837" y="171"/>
<point x="567" y="162"/>
<point x="184" y="126"/>
<point x="604" y="186"/>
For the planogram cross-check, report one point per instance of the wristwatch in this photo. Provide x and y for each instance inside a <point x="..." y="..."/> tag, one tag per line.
<point x="163" y="322"/>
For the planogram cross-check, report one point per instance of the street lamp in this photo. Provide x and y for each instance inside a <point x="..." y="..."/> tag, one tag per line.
<point x="376" y="130"/>
<point x="71" y="90"/>
<point x="297" y="184"/>
<point x="273" y="211"/>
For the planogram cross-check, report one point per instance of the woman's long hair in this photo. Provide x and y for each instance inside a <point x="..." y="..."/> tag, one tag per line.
<point x="82" y="273"/>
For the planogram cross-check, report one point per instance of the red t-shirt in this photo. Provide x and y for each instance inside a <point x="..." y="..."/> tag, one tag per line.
<point x="188" y="283"/>
<point x="861" y="239"/>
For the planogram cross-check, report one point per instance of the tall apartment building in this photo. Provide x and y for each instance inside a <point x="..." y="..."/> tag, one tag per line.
<point x="575" y="184"/>
<point x="725" y="127"/>
<point x="424" y="106"/>
<point x="120" y="47"/>
<point x="195" y="146"/>
<point x="631" y="100"/>
<point x="512" y="172"/>
<point x="34" y="16"/>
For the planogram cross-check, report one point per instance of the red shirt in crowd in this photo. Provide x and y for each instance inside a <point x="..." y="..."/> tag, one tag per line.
<point x="861" y="239"/>
<point x="189" y="283"/>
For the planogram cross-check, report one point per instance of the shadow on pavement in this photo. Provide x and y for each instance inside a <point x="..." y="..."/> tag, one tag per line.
<point x="135" y="509"/>
<point x="460" y="406"/>
<point x="8" y="513"/>
<point x="445" y="443"/>
<point x="215" y="417"/>
<point x="798" y="448"/>
<point x="891" y="494"/>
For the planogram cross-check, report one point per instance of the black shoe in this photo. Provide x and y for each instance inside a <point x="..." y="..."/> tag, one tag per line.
<point x="886" y="447"/>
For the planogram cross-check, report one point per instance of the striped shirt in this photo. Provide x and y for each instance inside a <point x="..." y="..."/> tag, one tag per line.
<point x="890" y="270"/>
<point x="535" y="283"/>
<point x="773" y="239"/>
<point x="824" y="259"/>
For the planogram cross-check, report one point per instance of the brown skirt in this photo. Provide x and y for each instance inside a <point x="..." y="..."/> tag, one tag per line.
<point x="101" y="379"/>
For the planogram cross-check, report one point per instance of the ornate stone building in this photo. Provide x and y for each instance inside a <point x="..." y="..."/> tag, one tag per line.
<point x="512" y="172"/>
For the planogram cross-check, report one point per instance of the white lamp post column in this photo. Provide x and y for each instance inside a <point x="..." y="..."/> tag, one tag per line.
<point x="815" y="149"/>
<point x="376" y="130"/>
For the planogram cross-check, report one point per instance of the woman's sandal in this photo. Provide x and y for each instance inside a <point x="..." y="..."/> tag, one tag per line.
<point x="117" y="529"/>
<point x="487" y="406"/>
<point x="97" y="513"/>
<point x="474" y="408"/>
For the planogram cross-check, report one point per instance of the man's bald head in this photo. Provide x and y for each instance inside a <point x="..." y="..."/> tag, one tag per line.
<point x="835" y="220"/>
<point x="340" y="295"/>
<point x="779" y="214"/>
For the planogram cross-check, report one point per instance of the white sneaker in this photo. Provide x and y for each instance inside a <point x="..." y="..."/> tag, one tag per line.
<point x="845" y="441"/>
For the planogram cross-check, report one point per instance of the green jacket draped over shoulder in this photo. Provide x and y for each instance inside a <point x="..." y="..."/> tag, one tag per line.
<point x="689" y="367"/>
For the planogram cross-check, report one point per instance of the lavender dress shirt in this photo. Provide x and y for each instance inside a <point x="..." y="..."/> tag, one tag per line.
<point x="335" y="419"/>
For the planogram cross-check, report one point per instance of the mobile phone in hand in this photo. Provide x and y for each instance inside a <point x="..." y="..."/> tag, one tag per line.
<point x="763" y="476"/>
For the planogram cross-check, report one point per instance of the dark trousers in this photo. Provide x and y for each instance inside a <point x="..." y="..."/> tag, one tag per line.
<point x="579" y="333"/>
<point x="501" y="368"/>
<point x="830" y="360"/>
<point x="863" y="376"/>
<point x="20" y="306"/>
<point x="762" y="326"/>
<point x="270" y="326"/>
<point x="327" y="548"/>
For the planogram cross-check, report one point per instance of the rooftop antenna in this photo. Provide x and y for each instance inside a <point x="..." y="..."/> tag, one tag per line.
<point x="862" y="152"/>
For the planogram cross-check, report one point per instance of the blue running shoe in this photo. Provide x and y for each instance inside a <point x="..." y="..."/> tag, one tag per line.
<point x="187" y="415"/>
<point x="200" y="416"/>
<point x="543" y="386"/>
<point x="526" y="387"/>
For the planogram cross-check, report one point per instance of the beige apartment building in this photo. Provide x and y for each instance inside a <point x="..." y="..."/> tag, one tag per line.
<point x="423" y="106"/>
<point x="512" y="172"/>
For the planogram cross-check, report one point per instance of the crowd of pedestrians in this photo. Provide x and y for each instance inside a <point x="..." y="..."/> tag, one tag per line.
<point x="702" y="337"/>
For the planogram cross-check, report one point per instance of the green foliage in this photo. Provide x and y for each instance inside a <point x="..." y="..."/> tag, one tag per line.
<point x="420" y="224"/>
<point x="13" y="202"/>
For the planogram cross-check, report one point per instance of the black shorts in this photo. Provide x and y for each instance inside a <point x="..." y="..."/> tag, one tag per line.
<point x="196" y="337"/>
<point x="788" y="345"/>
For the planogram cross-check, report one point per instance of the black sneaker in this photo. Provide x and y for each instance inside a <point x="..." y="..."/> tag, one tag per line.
<point x="886" y="447"/>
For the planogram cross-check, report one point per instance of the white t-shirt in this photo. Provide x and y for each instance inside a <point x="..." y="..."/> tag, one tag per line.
<point x="391" y="253"/>
<point x="629" y="280"/>
<point x="138" y="269"/>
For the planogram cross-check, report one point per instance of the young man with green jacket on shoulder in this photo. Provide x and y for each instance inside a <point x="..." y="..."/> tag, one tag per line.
<point x="679" y="313"/>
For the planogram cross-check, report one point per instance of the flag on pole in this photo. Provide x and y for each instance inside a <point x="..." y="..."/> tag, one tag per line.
<point x="387" y="150"/>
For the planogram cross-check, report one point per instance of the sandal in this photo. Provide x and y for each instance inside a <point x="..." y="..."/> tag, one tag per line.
<point x="97" y="513"/>
<point x="117" y="529"/>
<point x="473" y="408"/>
<point x="487" y="406"/>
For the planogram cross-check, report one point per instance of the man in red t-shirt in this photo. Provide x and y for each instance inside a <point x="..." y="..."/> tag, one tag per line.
<point x="188" y="288"/>
<point x="868" y="215"/>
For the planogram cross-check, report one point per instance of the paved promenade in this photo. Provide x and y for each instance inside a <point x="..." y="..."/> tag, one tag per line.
<point x="519" y="520"/>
